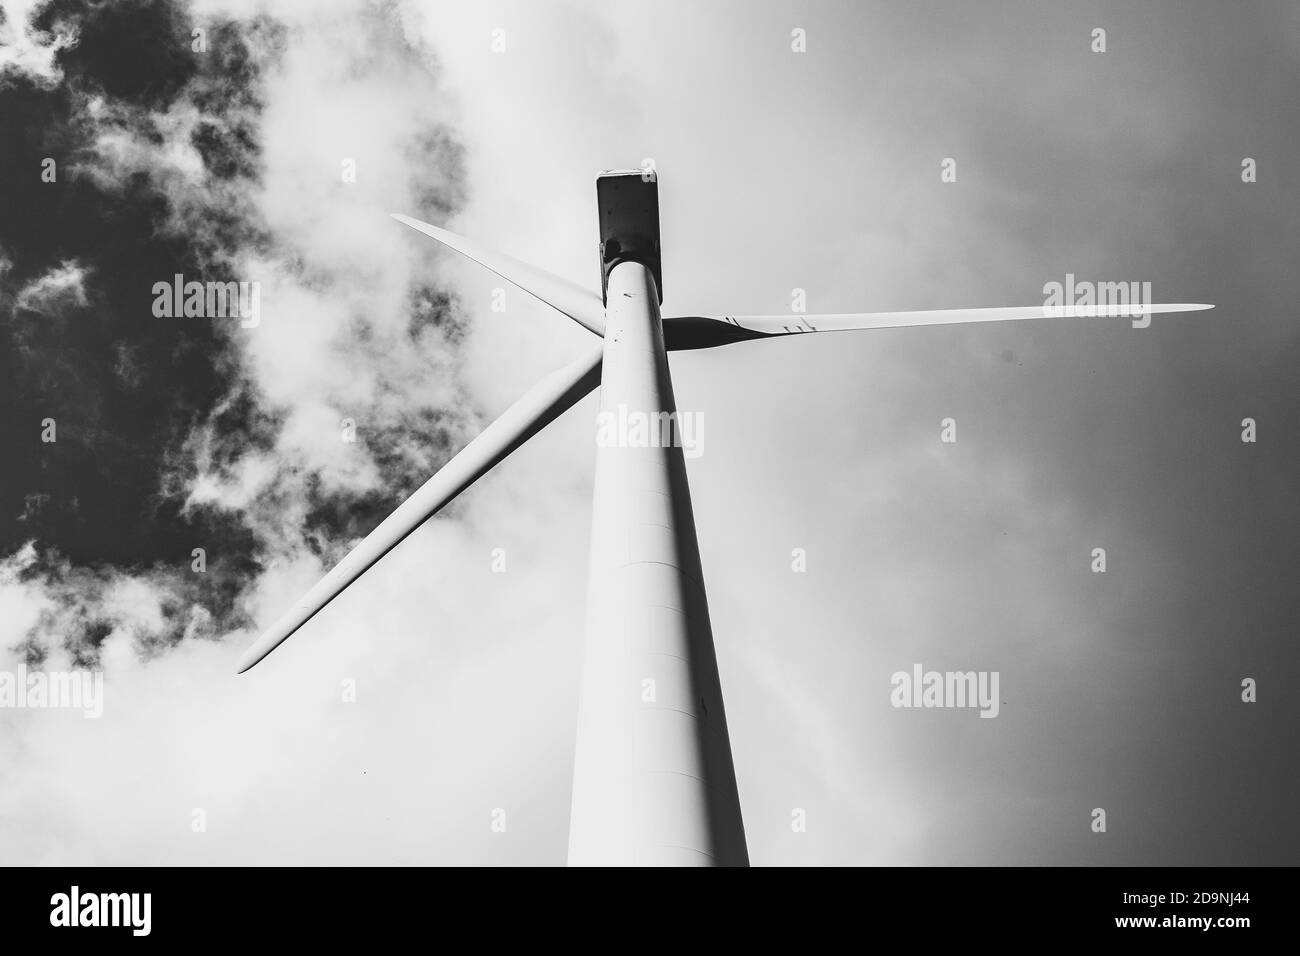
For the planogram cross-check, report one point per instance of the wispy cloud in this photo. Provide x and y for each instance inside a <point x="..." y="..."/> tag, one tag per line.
<point x="61" y="287"/>
<point x="28" y="51"/>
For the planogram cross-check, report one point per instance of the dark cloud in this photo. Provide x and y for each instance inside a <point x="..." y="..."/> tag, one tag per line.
<point x="129" y="393"/>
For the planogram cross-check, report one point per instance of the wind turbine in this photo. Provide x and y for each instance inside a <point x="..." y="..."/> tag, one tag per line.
<point x="653" y="780"/>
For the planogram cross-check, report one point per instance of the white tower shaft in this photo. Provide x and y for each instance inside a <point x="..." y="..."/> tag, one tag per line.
<point x="653" y="778"/>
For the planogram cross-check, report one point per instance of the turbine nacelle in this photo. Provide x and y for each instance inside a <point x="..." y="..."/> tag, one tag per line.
<point x="627" y="201"/>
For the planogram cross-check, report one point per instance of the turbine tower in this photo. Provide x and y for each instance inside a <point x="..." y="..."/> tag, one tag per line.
<point x="653" y="780"/>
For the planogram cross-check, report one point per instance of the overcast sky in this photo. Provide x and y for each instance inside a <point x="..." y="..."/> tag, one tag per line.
<point x="778" y="170"/>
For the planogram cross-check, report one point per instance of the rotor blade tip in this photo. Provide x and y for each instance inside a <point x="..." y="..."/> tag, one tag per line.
<point x="253" y="655"/>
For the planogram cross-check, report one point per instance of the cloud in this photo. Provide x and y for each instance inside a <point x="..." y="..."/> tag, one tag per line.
<point x="184" y="434"/>
<point x="220" y="165"/>
<point x="28" y="51"/>
<point x="61" y="287"/>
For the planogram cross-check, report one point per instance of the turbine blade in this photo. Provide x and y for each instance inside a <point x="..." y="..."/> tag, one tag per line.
<point x="582" y="305"/>
<point x="702" y="332"/>
<point x="536" y="409"/>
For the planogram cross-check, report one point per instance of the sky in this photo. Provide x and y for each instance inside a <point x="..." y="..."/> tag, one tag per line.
<point x="436" y="692"/>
